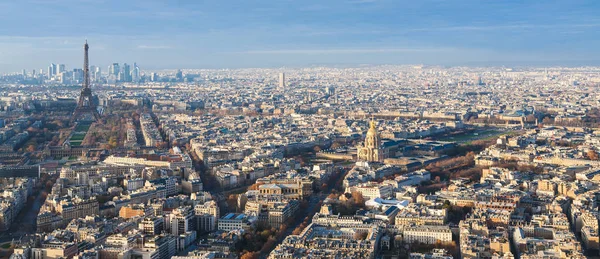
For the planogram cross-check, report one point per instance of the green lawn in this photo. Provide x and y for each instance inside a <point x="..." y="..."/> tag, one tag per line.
<point x="77" y="136"/>
<point x="79" y="133"/>
<point x="468" y="137"/>
<point x="82" y="127"/>
<point x="75" y="143"/>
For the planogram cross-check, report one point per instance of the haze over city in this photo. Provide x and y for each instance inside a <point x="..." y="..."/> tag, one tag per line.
<point x="236" y="34"/>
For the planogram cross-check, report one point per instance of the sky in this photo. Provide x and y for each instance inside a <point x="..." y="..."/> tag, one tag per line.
<point x="170" y="34"/>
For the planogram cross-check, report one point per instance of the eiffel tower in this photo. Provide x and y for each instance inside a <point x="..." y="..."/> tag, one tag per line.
<point x="86" y="109"/>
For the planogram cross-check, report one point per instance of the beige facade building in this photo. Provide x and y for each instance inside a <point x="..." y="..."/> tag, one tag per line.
<point x="78" y="208"/>
<point x="428" y="234"/>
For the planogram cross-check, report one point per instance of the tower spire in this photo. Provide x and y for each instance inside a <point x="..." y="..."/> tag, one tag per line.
<point x="86" y="67"/>
<point x="86" y="106"/>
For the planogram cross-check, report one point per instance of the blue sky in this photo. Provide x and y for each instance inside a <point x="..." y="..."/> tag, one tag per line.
<point x="250" y="33"/>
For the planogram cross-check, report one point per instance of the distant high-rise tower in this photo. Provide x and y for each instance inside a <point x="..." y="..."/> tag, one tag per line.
<point x="52" y="70"/>
<point x="61" y="68"/>
<point x="93" y="73"/>
<point x="331" y="93"/>
<point x="78" y="75"/>
<point x="330" y="90"/>
<point x="86" y="107"/>
<point x="479" y="81"/>
<point x="135" y="73"/>
<point x="125" y="74"/>
<point x="114" y="69"/>
<point x="97" y="74"/>
<point x="154" y="77"/>
<point x="281" y="80"/>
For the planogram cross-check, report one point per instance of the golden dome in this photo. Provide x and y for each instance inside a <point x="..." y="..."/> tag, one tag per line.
<point x="372" y="130"/>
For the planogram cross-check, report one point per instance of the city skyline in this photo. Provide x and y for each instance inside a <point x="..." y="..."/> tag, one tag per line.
<point x="236" y="34"/>
<point x="334" y="162"/>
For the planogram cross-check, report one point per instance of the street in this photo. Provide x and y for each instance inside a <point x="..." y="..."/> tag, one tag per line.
<point x="311" y="209"/>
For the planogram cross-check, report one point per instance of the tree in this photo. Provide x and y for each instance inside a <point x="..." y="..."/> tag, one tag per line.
<point x="232" y="202"/>
<point x="447" y="205"/>
<point x="297" y="231"/>
<point x="58" y="123"/>
<point x="323" y="187"/>
<point x="112" y="142"/>
<point x="266" y="233"/>
<point x="592" y="155"/>
<point x="268" y="245"/>
<point x="360" y="235"/>
<point x="335" y="145"/>
<point x="49" y="185"/>
<point x="530" y="118"/>
<point x="250" y="255"/>
<point x="162" y="145"/>
<point x="31" y="148"/>
<point x="359" y="200"/>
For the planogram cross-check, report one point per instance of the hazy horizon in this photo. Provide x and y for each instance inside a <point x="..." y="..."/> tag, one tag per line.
<point x="242" y="34"/>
